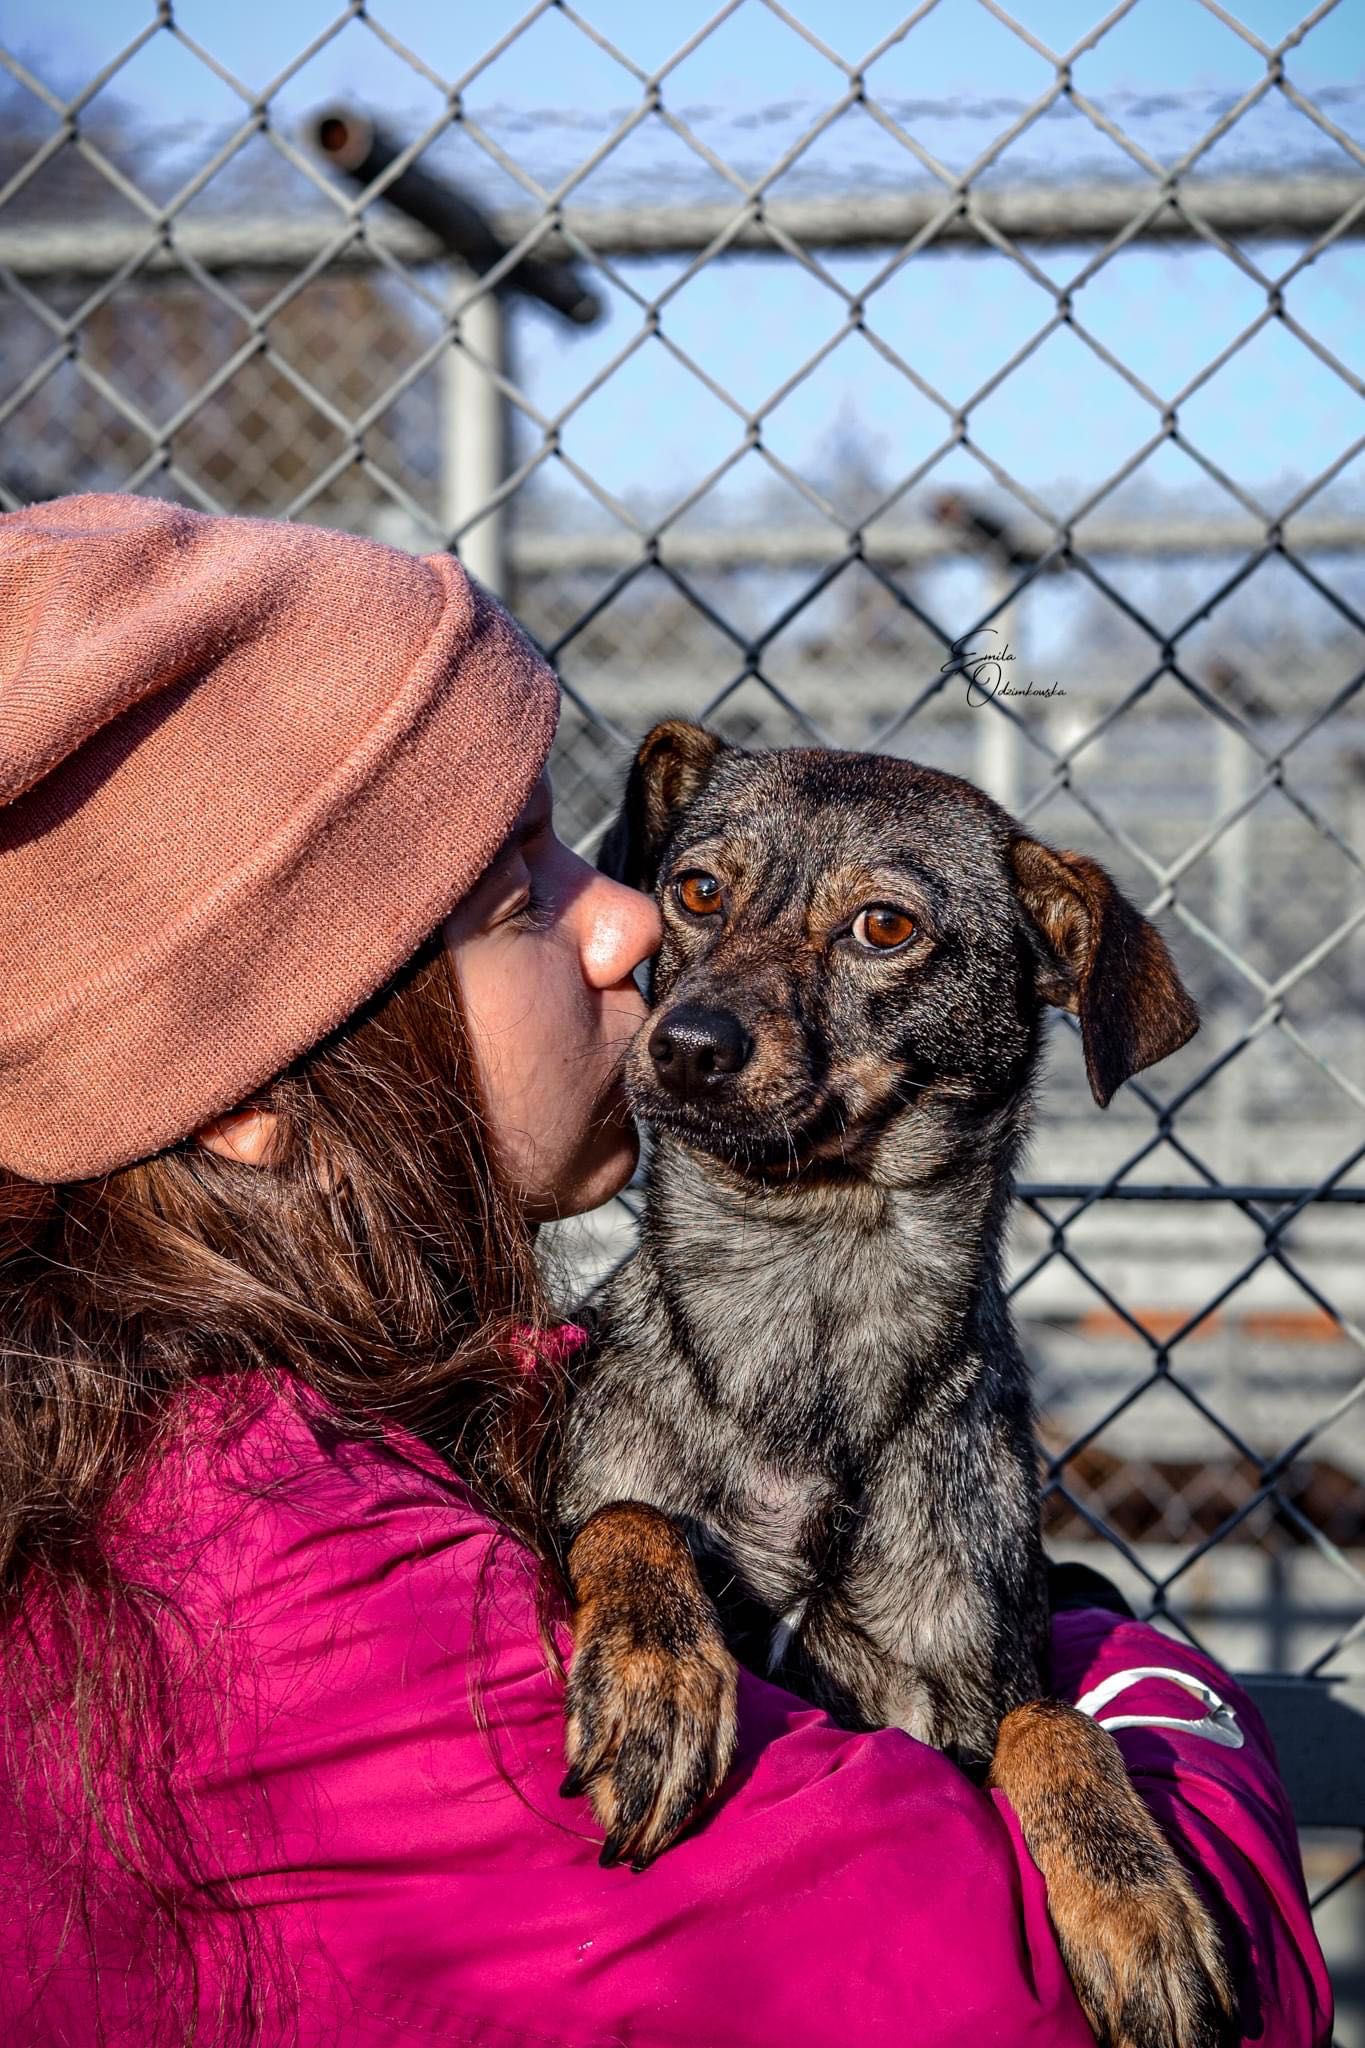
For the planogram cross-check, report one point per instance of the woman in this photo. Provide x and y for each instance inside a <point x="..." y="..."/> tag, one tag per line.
<point x="307" y="1020"/>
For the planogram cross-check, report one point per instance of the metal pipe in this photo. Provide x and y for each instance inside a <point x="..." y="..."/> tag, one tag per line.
<point x="359" y="147"/>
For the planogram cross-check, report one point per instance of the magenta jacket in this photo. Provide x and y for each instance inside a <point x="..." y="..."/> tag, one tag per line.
<point x="844" y="1887"/>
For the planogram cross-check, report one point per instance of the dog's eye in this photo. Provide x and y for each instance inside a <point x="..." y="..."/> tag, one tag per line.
<point x="882" y="928"/>
<point x="698" y="892"/>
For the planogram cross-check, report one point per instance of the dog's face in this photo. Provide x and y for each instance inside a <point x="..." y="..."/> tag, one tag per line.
<point x="850" y="939"/>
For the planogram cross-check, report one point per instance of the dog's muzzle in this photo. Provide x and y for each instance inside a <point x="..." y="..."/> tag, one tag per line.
<point x="695" y="1050"/>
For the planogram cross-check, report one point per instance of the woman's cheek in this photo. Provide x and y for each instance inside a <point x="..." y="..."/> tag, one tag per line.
<point x="499" y="1013"/>
<point x="555" y="1046"/>
<point x="543" y="1050"/>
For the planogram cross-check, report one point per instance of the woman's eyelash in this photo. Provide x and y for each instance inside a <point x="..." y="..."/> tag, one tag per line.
<point x="535" y="913"/>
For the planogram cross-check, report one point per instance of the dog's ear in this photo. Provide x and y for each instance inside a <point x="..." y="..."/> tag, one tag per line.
<point x="674" y="762"/>
<point x="1104" y="962"/>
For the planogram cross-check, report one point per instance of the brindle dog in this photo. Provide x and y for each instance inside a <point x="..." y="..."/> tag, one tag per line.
<point x="803" y="1430"/>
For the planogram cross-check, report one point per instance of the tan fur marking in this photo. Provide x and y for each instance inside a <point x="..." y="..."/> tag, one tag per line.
<point x="651" y="1724"/>
<point x="1141" y="1951"/>
<point x="1116" y="973"/>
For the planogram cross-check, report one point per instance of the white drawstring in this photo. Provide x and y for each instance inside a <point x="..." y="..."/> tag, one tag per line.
<point x="1219" y="1723"/>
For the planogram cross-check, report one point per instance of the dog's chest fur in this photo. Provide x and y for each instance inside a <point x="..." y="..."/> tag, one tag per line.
<point x="804" y="1384"/>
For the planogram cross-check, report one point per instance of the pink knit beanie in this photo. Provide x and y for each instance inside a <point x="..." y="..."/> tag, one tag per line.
<point x="246" y="768"/>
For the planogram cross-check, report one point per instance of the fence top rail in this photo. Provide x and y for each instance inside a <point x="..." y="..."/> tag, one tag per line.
<point x="1295" y="208"/>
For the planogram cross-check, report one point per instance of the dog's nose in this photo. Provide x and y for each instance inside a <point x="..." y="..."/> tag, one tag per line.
<point x="694" y="1048"/>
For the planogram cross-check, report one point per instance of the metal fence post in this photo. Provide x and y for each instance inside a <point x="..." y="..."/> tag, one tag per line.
<point x="474" y="434"/>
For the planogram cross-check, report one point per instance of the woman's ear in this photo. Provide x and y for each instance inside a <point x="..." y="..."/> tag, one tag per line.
<point x="1102" y="961"/>
<point x="673" y="765"/>
<point x="245" y="1134"/>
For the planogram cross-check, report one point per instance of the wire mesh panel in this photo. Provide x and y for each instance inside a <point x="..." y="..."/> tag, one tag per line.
<point x="976" y="385"/>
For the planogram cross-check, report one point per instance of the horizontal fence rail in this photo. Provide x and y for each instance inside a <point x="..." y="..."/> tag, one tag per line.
<point x="1289" y="209"/>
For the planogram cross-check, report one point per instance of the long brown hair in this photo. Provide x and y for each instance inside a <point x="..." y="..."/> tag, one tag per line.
<point x="379" y="1261"/>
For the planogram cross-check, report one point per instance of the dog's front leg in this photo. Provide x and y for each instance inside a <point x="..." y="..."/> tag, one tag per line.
<point x="1142" y="1953"/>
<point x="651" y="1689"/>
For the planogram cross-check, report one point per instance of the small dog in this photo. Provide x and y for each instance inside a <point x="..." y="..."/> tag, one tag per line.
<point x="802" y="1433"/>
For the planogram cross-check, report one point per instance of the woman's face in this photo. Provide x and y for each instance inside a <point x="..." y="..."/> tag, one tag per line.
<point x="544" y="948"/>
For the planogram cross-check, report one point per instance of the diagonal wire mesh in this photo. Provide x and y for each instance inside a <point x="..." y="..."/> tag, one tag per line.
<point x="1015" y="427"/>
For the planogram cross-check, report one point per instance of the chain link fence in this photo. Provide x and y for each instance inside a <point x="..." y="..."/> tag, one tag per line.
<point x="1016" y="431"/>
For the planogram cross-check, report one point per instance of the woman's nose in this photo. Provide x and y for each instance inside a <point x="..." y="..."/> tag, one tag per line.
<point x="621" y="928"/>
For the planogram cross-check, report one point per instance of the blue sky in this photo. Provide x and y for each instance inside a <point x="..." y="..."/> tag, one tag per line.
<point x="1060" y="423"/>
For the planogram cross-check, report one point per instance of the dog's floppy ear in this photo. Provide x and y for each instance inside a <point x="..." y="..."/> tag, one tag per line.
<point x="674" y="762"/>
<point x="1107" y="965"/>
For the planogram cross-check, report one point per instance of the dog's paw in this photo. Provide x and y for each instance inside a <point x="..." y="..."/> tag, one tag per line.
<point x="1148" y="1974"/>
<point x="651" y="1734"/>
<point x="1142" y="1952"/>
<point x="651" y="1689"/>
